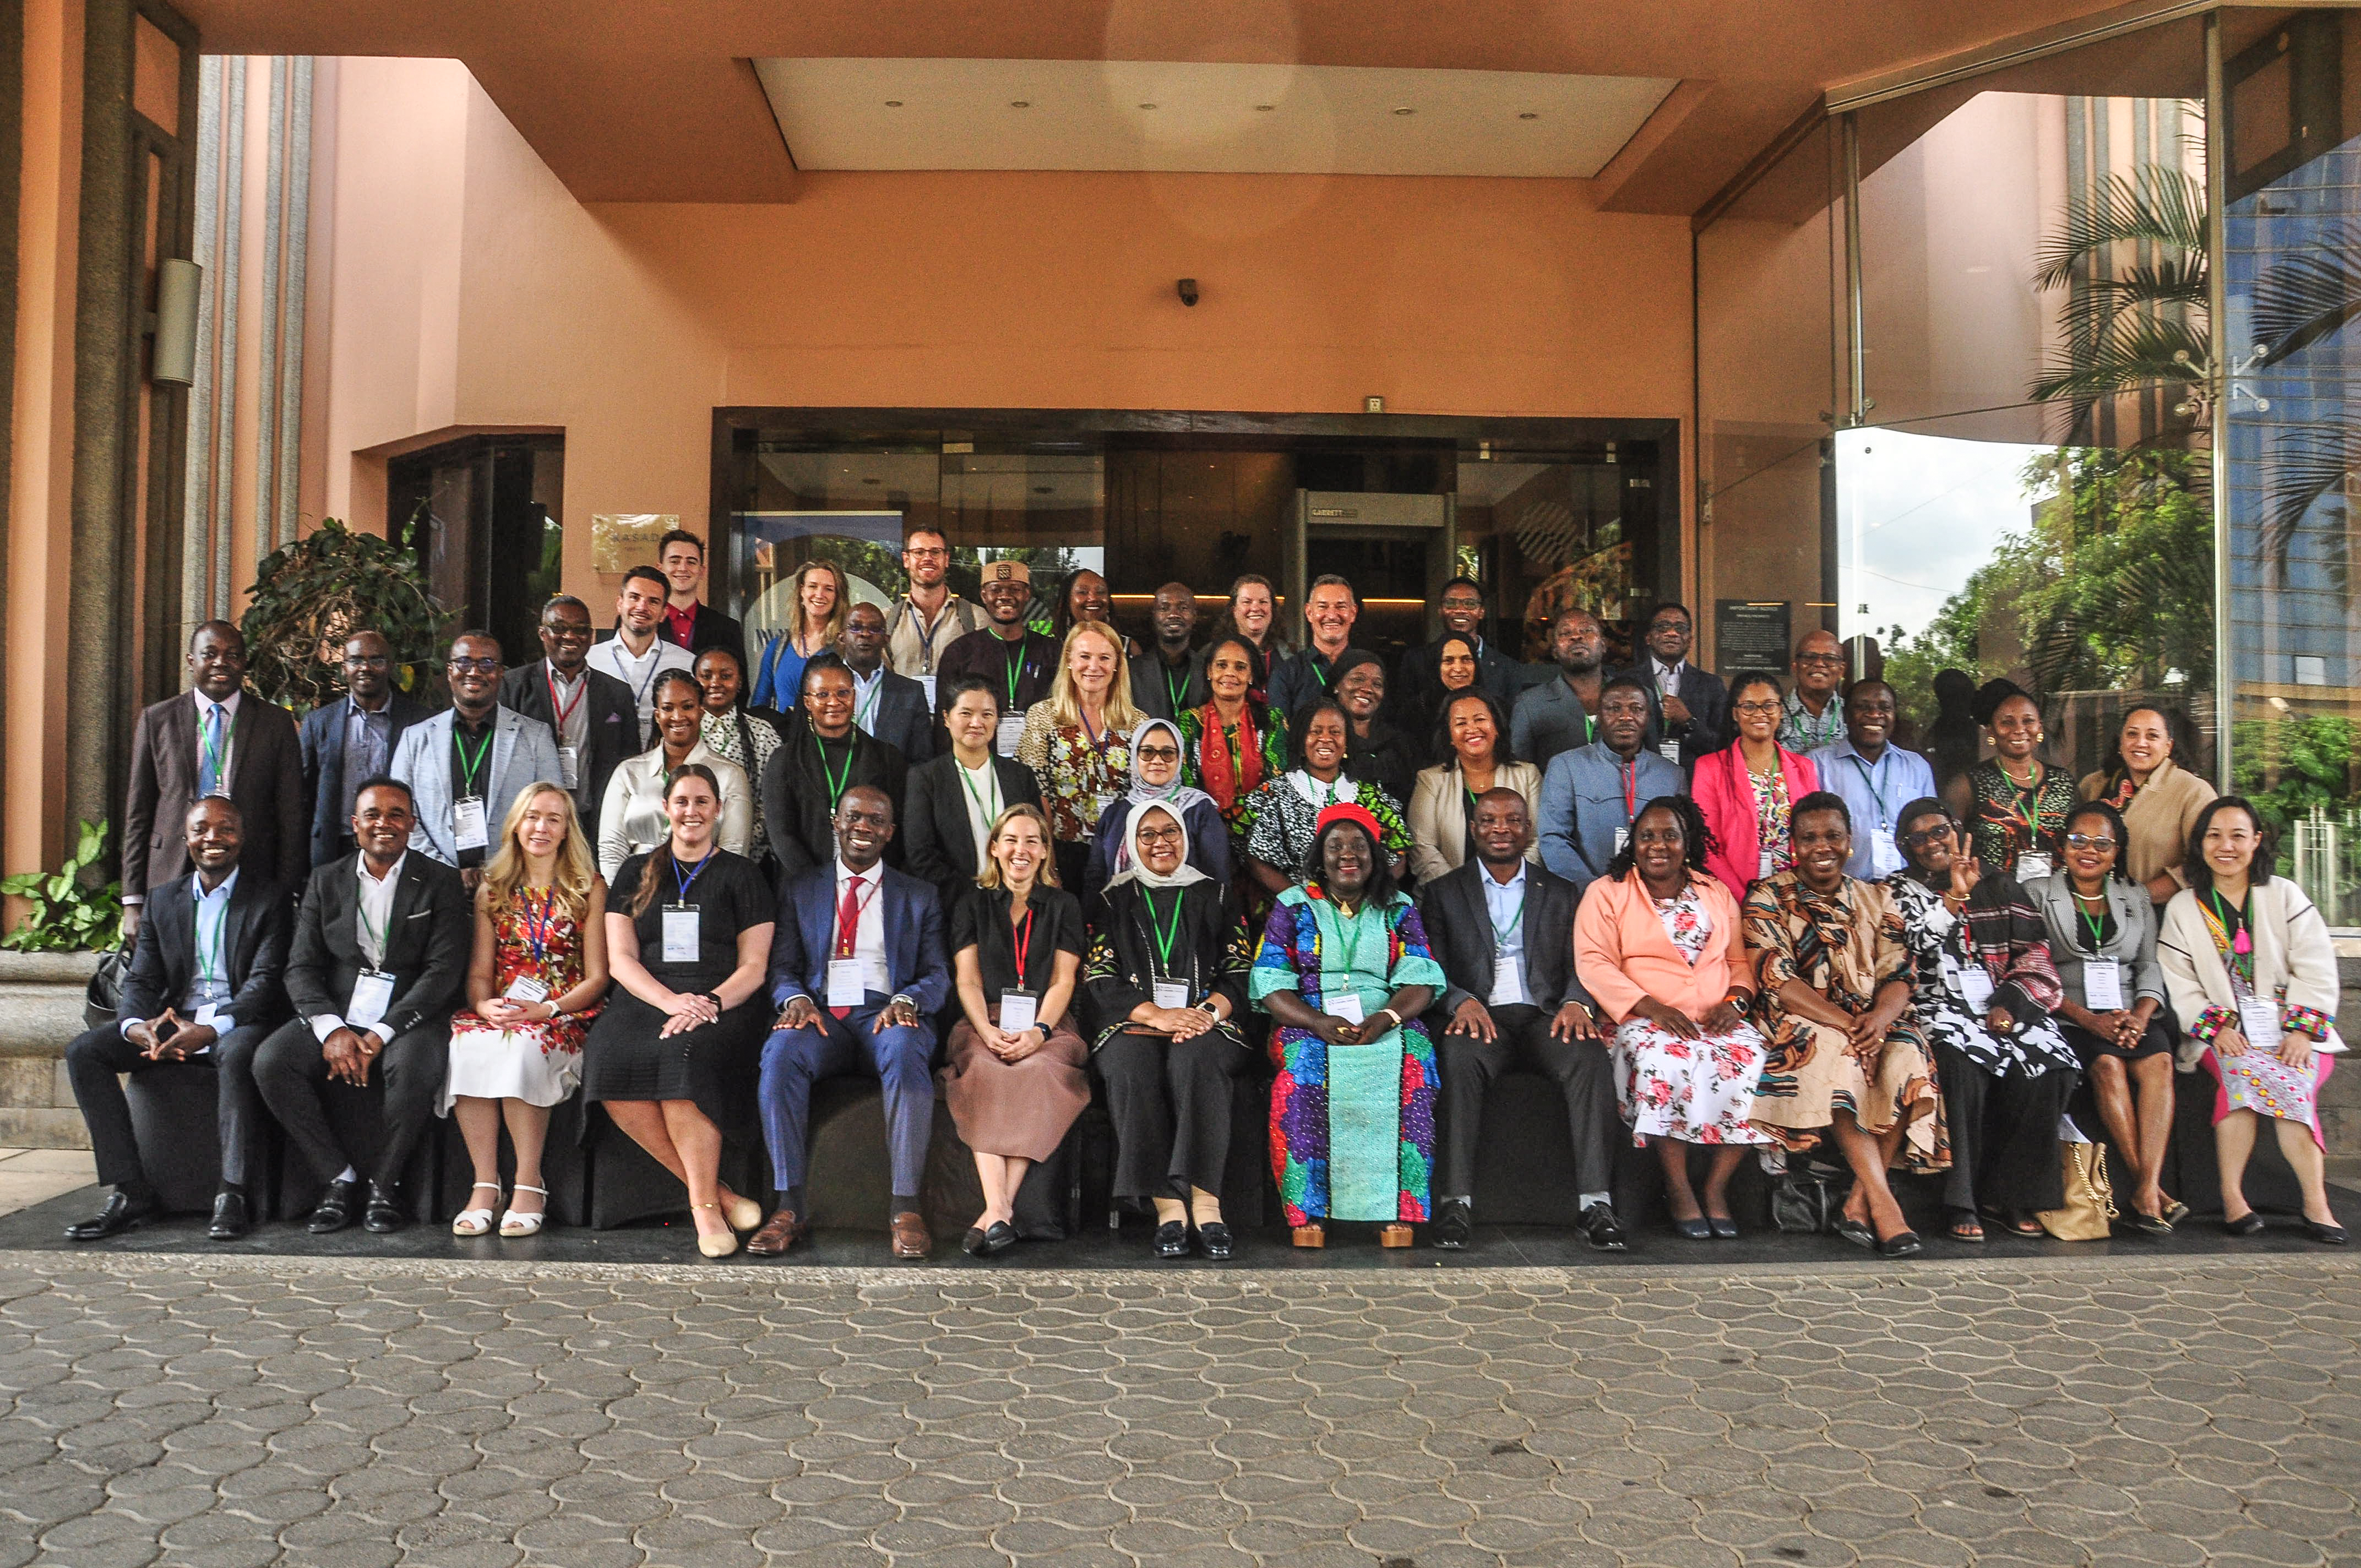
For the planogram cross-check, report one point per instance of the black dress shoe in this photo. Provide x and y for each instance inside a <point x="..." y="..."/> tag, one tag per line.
<point x="998" y="1237"/>
<point x="1901" y="1244"/>
<point x="335" y="1210"/>
<point x="1606" y="1232"/>
<point x="1697" y="1229"/>
<point x="384" y="1212"/>
<point x="1454" y="1225"/>
<point x="2327" y="1235"/>
<point x="122" y="1212"/>
<point x="2142" y="1224"/>
<point x="1724" y="1228"/>
<point x="230" y="1220"/>
<point x="1172" y="1239"/>
<point x="1214" y="1241"/>
<point x="2246" y="1224"/>
<point x="972" y="1243"/>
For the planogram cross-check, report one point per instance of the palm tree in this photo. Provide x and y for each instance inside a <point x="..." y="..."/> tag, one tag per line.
<point x="2144" y="325"/>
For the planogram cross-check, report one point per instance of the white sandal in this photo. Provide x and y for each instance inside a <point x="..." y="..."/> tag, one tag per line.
<point x="515" y="1224"/>
<point x="474" y="1222"/>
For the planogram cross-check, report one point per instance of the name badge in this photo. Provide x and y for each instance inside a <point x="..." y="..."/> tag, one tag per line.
<point x="1345" y="1005"/>
<point x="2259" y="1020"/>
<point x="1884" y="855"/>
<point x="1622" y="836"/>
<point x="207" y="1015"/>
<point x="467" y="824"/>
<point x="2032" y="866"/>
<point x="1669" y="750"/>
<point x="372" y="994"/>
<point x="1011" y="731"/>
<point x="681" y="943"/>
<point x="569" y="767"/>
<point x="847" y="982"/>
<point x="2103" y="984"/>
<point x="527" y="988"/>
<point x="1765" y="863"/>
<point x="1976" y="987"/>
<point x="1171" y="993"/>
<point x="929" y="683"/>
<point x="1019" y="1011"/>
<point x="1508" y="983"/>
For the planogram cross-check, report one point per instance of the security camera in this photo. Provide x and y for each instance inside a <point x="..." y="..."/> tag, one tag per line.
<point x="1188" y="290"/>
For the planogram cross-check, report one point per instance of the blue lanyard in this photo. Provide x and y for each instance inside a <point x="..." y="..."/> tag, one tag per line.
<point x="685" y="885"/>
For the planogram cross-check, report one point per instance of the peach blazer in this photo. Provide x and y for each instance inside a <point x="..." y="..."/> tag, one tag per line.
<point x="1622" y="953"/>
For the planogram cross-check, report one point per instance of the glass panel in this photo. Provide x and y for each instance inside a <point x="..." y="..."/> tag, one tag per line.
<point x="2028" y="499"/>
<point x="1768" y="278"/>
<point x="2292" y="242"/>
<point x="1542" y="535"/>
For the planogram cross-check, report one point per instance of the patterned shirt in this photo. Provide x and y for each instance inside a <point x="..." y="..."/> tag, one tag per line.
<point x="1280" y="816"/>
<point x="1080" y="777"/>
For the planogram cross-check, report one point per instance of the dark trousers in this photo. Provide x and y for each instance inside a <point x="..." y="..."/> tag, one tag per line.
<point x="288" y="1072"/>
<point x="1582" y="1070"/>
<point x="2004" y="1131"/>
<point x="901" y="1060"/>
<point x="95" y="1060"/>
<point x="1170" y="1102"/>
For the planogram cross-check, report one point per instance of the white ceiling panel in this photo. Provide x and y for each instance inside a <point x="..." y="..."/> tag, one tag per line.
<point x="1193" y="117"/>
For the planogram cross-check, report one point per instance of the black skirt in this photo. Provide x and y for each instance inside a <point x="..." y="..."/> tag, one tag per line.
<point x="2156" y="1039"/>
<point x="715" y="1064"/>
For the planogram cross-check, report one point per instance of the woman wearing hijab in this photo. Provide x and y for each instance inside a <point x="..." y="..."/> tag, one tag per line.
<point x="1157" y="749"/>
<point x="1164" y="984"/>
<point x="1345" y="973"/>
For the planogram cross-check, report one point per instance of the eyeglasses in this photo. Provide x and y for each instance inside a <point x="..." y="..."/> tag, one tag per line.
<point x="926" y="553"/>
<point x="567" y="630"/>
<point x="1819" y="659"/>
<point x="1755" y="708"/>
<point x="1160" y="753"/>
<point x="1160" y="834"/>
<point x="1929" y="836"/>
<point x="368" y="662"/>
<point x="2087" y="841"/>
<point x="475" y="666"/>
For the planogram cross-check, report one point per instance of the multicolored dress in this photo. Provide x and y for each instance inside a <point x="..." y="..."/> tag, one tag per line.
<point x="2257" y="1080"/>
<point x="1081" y="774"/>
<point x="1770" y="813"/>
<point x="1352" y="1128"/>
<point x="2005" y="822"/>
<point x="1280" y="815"/>
<point x="540" y="1062"/>
<point x="1845" y="946"/>
<point x="1699" y="1091"/>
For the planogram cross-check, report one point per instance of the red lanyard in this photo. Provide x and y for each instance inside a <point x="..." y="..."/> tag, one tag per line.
<point x="1631" y="789"/>
<point x="1024" y="945"/>
<point x="565" y="714"/>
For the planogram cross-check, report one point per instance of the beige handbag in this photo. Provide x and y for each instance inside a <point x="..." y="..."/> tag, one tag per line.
<point x="2090" y="1211"/>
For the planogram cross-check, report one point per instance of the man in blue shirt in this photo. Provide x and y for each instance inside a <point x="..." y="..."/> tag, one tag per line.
<point x="1874" y="779"/>
<point x="1591" y="794"/>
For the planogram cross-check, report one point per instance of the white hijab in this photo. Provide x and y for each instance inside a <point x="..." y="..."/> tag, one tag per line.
<point x="1135" y="869"/>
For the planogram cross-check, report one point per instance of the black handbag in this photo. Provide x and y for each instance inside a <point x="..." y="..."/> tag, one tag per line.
<point x="105" y="989"/>
<point x="1805" y="1205"/>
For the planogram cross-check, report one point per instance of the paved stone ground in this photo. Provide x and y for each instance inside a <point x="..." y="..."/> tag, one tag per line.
<point x="250" y="1411"/>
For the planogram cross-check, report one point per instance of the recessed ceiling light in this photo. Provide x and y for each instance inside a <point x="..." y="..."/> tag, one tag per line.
<point x="1041" y="490"/>
<point x="1265" y="108"/>
<point x="892" y="103"/>
<point x="1020" y="103"/>
<point x="1405" y="110"/>
<point x="1528" y="115"/>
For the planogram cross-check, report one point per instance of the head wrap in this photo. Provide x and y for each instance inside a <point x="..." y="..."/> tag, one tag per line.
<point x="1178" y="797"/>
<point x="1130" y="867"/>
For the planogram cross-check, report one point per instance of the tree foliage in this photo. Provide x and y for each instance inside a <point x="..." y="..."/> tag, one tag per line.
<point x="66" y="914"/>
<point x="312" y="595"/>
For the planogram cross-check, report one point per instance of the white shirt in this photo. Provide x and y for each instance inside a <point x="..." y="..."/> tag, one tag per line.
<point x="572" y="722"/>
<point x="979" y="788"/>
<point x="1505" y="903"/>
<point x="374" y="917"/>
<point x="865" y="694"/>
<point x="640" y="674"/>
<point x="1668" y="676"/>
<point x="869" y="938"/>
<point x="210" y="915"/>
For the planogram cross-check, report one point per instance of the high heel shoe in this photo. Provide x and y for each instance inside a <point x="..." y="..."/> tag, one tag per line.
<point x="721" y="1246"/>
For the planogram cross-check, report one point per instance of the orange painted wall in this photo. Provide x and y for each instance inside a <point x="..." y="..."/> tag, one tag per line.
<point x="470" y="290"/>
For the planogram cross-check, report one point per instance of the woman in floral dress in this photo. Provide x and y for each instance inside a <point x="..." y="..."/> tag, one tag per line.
<point x="1656" y="944"/>
<point x="1077" y="740"/>
<point x="533" y="984"/>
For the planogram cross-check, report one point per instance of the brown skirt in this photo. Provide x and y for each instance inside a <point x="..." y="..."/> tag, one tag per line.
<point x="1016" y="1110"/>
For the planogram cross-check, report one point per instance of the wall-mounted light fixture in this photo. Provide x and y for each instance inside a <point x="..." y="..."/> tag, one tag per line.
<point x="178" y="283"/>
<point x="1187" y="290"/>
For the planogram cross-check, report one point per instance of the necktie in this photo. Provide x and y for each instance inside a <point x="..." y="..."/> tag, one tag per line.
<point x="209" y="753"/>
<point x="847" y="930"/>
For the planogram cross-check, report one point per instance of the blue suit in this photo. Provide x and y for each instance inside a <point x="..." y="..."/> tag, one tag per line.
<point x="901" y="1057"/>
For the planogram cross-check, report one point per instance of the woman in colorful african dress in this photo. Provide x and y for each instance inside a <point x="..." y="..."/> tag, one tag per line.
<point x="2014" y="803"/>
<point x="1345" y="972"/>
<point x="1284" y="813"/>
<point x="1983" y="986"/>
<point x="1232" y="744"/>
<point x="2253" y="976"/>
<point x="1656" y="944"/>
<point x="533" y="984"/>
<point x="1847" y="1063"/>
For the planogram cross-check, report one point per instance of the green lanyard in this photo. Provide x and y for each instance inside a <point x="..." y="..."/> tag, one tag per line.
<point x="2097" y="924"/>
<point x="1015" y="664"/>
<point x="382" y="933"/>
<point x="209" y="969"/>
<point x="467" y="769"/>
<point x="1500" y="933"/>
<point x="1348" y="934"/>
<point x="990" y="814"/>
<point x="1173" y="694"/>
<point x="1165" y="935"/>
<point x="876" y="690"/>
<point x="835" y="782"/>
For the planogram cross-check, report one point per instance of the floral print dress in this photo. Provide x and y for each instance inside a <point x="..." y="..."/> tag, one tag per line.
<point x="2007" y="822"/>
<point x="1080" y="775"/>
<point x="1771" y="814"/>
<point x="1698" y="1090"/>
<point x="538" y="1063"/>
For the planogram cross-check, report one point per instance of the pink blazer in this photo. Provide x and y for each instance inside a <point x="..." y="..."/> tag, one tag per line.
<point x="1720" y="788"/>
<point x="1622" y="953"/>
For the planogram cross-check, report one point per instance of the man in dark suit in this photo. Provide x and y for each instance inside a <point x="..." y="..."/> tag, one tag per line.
<point x="352" y="738"/>
<point x="591" y="713"/>
<point x="689" y="621"/>
<point x="378" y="963"/>
<point x="857" y="970"/>
<point x="1416" y="694"/>
<point x="892" y="708"/>
<point x="966" y="786"/>
<point x="819" y="761"/>
<point x="1503" y="930"/>
<point x="216" y="740"/>
<point x="1169" y="680"/>
<point x="204" y="987"/>
<point x="1689" y="708"/>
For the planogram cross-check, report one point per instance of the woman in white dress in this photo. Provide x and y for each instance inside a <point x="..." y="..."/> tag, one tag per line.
<point x="533" y="984"/>
<point x="631" y="820"/>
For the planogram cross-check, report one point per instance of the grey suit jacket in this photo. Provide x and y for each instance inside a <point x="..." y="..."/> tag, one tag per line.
<point x="523" y="753"/>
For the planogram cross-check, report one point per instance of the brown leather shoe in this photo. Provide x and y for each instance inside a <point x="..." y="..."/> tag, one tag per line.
<point x="780" y="1232"/>
<point x="911" y="1238"/>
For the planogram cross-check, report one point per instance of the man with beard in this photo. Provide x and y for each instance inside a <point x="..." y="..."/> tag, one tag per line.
<point x="1557" y="715"/>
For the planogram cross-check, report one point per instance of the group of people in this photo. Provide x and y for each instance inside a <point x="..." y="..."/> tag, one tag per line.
<point x="928" y="843"/>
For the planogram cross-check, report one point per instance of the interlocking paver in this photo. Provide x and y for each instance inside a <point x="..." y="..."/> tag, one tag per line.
<point x="298" y="1412"/>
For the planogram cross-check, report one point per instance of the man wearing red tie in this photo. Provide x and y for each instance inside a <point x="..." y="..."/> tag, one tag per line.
<point x="856" y="971"/>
